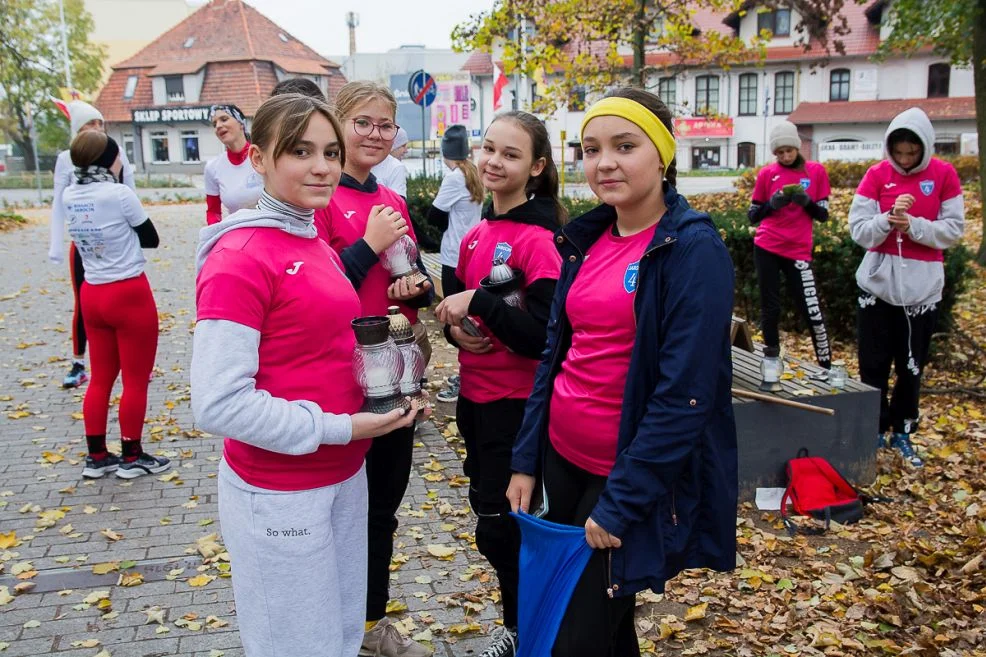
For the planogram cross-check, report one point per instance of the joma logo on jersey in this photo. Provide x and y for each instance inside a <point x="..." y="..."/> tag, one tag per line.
<point x="502" y="251"/>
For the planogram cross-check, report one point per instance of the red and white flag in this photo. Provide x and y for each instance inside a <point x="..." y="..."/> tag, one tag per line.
<point x="499" y="82"/>
<point x="62" y="105"/>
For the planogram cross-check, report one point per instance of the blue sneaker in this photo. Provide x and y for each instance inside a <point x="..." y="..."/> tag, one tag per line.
<point x="902" y="443"/>
<point x="76" y="376"/>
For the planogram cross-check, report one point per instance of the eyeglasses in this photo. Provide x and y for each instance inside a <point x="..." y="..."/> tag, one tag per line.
<point x="364" y="128"/>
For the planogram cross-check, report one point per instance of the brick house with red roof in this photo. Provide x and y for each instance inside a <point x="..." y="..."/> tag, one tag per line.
<point x="841" y="105"/>
<point x="156" y="102"/>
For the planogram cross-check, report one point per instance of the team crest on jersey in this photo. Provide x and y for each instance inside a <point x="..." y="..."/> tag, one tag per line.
<point x="630" y="277"/>
<point x="502" y="251"/>
<point x="927" y="186"/>
<point x="805" y="183"/>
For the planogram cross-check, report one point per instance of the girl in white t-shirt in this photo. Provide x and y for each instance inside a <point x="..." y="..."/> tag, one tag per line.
<point x="108" y="228"/>
<point x="82" y="116"/>
<point x="459" y="204"/>
<point x="230" y="181"/>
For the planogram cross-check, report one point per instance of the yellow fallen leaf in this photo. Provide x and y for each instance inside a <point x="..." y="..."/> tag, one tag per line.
<point x="24" y="587"/>
<point x="441" y="551"/>
<point x="130" y="579"/>
<point x="21" y="567"/>
<point x="32" y="623"/>
<point x="77" y="416"/>
<point x="86" y="643"/>
<point x="103" y="568"/>
<point x="154" y="615"/>
<point x="89" y="510"/>
<point x="103" y="653"/>
<point x="464" y="628"/>
<point x="95" y="597"/>
<point x="215" y="623"/>
<point x="52" y="457"/>
<point x="162" y="629"/>
<point x="5" y="596"/>
<point x="111" y="535"/>
<point x="395" y="607"/>
<point x="697" y="612"/>
<point x="171" y="476"/>
<point x="8" y="540"/>
<point x="200" y="580"/>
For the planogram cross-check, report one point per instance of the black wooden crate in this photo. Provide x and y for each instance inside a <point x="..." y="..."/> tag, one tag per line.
<point x="770" y="434"/>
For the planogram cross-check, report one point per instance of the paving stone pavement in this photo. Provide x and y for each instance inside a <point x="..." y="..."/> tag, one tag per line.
<point x="61" y="526"/>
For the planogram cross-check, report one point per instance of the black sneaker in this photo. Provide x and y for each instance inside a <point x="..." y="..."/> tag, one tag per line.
<point x="144" y="465"/>
<point x="96" y="468"/>
<point x="503" y="643"/>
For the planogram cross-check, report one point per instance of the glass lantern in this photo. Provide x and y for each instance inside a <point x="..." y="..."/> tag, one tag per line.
<point x="838" y="374"/>
<point x="413" y="360"/>
<point x="771" y="368"/>
<point x="505" y="282"/>
<point x="401" y="259"/>
<point x="378" y="365"/>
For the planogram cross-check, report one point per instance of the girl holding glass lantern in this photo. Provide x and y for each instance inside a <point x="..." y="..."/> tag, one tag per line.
<point x="630" y="423"/>
<point x="367" y="225"/>
<point x="272" y="369"/>
<point x="496" y="313"/>
<point x="789" y="196"/>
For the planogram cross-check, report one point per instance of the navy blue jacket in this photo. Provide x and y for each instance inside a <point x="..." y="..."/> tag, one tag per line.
<point x="671" y="496"/>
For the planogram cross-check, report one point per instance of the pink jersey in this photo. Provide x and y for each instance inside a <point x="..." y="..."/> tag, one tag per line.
<point x="500" y="373"/>
<point x="788" y="232"/>
<point x="584" y="420"/>
<point x="293" y="291"/>
<point x="344" y="221"/>
<point x="936" y="183"/>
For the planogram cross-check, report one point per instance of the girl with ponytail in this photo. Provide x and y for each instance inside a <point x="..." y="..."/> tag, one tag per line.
<point x="500" y="342"/>
<point x="629" y="425"/>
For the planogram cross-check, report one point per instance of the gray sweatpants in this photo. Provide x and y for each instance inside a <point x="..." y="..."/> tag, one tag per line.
<point x="299" y="566"/>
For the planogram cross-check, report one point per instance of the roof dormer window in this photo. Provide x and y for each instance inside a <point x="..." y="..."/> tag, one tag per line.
<point x="282" y="37"/>
<point x="131" y="88"/>
<point x="189" y="42"/>
<point x="778" y="21"/>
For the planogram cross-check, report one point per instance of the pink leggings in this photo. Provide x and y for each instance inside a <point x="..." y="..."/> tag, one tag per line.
<point x="121" y="323"/>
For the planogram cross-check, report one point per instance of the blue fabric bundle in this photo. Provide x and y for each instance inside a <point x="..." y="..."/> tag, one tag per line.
<point x="552" y="558"/>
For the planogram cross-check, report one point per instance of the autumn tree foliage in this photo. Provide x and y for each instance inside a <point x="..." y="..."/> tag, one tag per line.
<point x="32" y="64"/>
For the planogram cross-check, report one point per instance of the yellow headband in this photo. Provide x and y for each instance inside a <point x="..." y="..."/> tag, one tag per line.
<point x="640" y="116"/>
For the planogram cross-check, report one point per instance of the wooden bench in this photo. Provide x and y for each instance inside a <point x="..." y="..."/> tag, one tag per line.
<point x="769" y="434"/>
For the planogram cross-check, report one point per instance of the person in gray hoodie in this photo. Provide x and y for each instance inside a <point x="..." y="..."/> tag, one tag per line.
<point x="907" y="209"/>
<point x="272" y="372"/>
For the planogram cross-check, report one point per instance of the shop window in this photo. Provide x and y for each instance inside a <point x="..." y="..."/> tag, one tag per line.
<point x="706" y="157"/>
<point x="746" y="154"/>
<point x="159" y="147"/>
<point x="190" y="145"/>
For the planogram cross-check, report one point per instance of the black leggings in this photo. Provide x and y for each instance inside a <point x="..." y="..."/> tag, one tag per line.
<point x="388" y="469"/>
<point x="801" y="285"/>
<point x="489" y="430"/>
<point x="898" y="336"/>
<point x="78" y="273"/>
<point x="594" y="625"/>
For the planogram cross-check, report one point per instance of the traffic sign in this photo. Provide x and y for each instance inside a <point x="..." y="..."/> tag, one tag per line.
<point x="422" y="88"/>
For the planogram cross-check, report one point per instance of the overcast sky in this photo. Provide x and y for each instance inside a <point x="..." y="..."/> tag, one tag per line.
<point x="383" y="24"/>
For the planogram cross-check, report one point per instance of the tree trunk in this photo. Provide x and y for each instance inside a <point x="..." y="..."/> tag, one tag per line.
<point x="979" y="82"/>
<point x="639" y="45"/>
<point x="23" y="141"/>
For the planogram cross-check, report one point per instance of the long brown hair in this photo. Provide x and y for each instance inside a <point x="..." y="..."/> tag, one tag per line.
<point x="281" y="121"/>
<point x="663" y="114"/>
<point x="546" y="183"/>
<point x="87" y="146"/>
<point x="473" y="184"/>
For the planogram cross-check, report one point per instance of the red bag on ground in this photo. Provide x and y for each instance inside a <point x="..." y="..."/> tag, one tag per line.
<point x="816" y="489"/>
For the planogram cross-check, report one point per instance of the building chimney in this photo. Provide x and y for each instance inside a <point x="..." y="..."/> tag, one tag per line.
<point x="352" y="20"/>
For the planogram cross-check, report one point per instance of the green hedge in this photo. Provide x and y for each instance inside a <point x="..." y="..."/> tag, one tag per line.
<point x="834" y="264"/>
